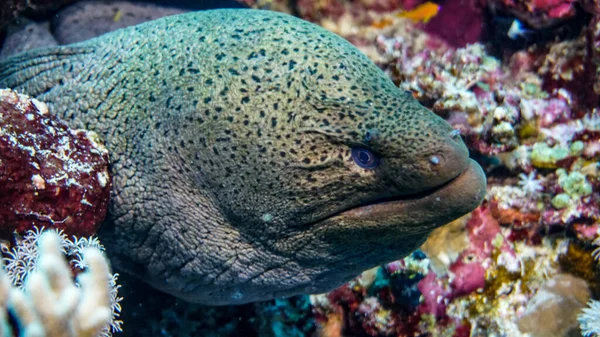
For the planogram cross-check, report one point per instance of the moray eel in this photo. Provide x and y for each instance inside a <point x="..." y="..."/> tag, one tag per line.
<point x="254" y="155"/>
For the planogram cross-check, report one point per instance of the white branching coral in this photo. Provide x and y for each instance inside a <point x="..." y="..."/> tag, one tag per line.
<point x="24" y="260"/>
<point x="589" y="319"/>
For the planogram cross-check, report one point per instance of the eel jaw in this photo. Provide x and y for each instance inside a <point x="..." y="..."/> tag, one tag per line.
<point x="337" y="248"/>
<point x="444" y="204"/>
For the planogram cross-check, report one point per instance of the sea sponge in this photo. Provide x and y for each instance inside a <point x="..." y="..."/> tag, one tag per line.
<point x="50" y="175"/>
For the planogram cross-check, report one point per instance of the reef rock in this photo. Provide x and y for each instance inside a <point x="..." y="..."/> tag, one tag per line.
<point x="552" y="312"/>
<point x="11" y="8"/>
<point x="26" y="35"/>
<point x="50" y="175"/>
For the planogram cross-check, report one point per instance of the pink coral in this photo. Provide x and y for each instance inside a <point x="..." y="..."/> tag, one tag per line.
<point x="468" y="273"/>
<point x="434" y="294"/>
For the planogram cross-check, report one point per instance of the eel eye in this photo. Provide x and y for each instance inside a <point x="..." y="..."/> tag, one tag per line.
<point x="365" y="158"/>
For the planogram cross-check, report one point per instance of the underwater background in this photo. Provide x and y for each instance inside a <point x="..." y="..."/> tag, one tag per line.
<point x="519" y="79"/>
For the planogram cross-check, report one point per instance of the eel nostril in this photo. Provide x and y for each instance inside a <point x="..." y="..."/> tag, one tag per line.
<point x="455" y="134"/>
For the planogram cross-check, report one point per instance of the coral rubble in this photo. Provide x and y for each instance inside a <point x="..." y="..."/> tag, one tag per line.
<point x="50" y="175"/>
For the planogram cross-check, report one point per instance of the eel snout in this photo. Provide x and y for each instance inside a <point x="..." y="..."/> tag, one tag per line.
<point x="440" y="205"/>
<point x="441" y="158"/>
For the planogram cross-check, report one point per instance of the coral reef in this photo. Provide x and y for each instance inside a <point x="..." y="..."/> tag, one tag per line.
<point x="538" y="13"/>
<point x="532" y="114"/>
<point x="50" y="175"/>
<point x="522" y="263"/>
<point x="483" y="291"/>
<point x="531" y="118"/>
<point x="593" y="36"/>
<point x="52" y="304"/>
<point x="358" y="21"/>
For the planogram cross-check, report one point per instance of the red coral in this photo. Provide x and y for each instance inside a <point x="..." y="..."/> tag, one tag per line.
<point x="469" y="276"/>
<point x="524" y="224"/>
<point x="550" y="111"/>
<point x="586" y="211"/>
<point x="513" y="216"/>
<point x="463" y="330"/>
<point x="50" y="175"/>
<point x="586" y="232"/>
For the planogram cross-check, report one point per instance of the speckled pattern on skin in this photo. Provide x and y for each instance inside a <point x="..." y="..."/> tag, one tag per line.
<point x="230" y="133"/>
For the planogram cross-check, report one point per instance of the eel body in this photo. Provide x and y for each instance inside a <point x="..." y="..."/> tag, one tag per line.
<point x="254" y="155"/>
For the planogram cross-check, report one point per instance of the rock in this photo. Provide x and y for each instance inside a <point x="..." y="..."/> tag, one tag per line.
<point x="87" y="19"/>
<point x="444" y="245"/>
<point x="10" y="9"/>
<point x="25" y="36"/>
<point x="553" y="311"/>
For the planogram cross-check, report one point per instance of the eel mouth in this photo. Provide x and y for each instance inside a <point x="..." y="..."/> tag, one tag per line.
<point x="452" y="199"/>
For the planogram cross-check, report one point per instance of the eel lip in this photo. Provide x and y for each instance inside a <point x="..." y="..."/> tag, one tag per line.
<point x="457" y="197"/>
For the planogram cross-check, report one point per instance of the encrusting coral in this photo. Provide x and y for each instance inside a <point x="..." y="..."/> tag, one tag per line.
<point x="51" y="304"/>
